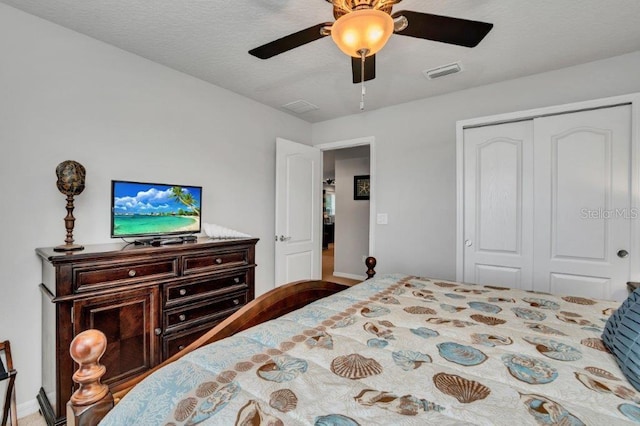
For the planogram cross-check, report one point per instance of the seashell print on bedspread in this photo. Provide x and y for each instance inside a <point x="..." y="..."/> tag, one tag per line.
<point x="282" y="368"/>
<point x="407" y="405"/>
<point x="283" y="400"/>
<point x="355" y="366"/>
<point x="464" y="390"/>
<point x="401" y="350"/>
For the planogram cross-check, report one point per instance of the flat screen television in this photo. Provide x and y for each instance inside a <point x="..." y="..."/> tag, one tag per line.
<point x="141" y="209"/>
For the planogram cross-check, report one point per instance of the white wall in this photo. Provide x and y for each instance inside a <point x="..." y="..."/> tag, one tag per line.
<point x="66" y="96"/>
<point x="416" y="158"/>
<point x="351" y="240"/>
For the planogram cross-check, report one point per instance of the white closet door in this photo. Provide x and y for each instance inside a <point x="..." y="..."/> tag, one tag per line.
<point x="498" y="210"/>
<point x="582" y="203"/>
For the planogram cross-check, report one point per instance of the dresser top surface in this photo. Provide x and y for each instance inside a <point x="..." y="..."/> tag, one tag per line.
<point x="128" y="249"/>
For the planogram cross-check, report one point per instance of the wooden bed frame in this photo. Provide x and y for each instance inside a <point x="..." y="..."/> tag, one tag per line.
<point x="93" y="400"/>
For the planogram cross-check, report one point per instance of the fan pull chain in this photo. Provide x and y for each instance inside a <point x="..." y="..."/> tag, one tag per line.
<point x="363" y="53"/>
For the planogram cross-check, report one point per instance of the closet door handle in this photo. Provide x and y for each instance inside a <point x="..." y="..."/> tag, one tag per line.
<point x="623" y="253"/>
<point x="283" y="238"/>
<point x="468" y="243"/>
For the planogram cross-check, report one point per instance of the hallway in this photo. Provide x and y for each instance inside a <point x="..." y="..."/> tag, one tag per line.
<point x="327" y="268"/>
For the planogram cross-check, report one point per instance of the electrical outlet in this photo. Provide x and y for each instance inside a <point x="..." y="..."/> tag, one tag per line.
<point x="382" y="219"/>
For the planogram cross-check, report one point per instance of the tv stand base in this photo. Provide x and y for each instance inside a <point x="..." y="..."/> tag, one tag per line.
<point x="162" y="241"/>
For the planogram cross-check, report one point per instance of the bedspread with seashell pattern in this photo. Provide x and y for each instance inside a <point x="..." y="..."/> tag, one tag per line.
<point x="401" y="350"/>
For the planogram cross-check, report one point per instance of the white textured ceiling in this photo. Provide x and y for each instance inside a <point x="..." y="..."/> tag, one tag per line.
<point x="209" y="39"/>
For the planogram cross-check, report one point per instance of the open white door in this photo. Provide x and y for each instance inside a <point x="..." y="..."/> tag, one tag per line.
<point x="298" y="212"/>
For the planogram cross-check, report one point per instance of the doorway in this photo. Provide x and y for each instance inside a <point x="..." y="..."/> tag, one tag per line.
<point x="298" y="211"/>
<point x="346" y="213"/>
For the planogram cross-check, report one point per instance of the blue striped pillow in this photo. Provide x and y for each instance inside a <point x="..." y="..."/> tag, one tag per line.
<point x="622" y="337"/>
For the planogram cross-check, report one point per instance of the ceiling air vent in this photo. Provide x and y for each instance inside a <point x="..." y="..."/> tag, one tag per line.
<point x="442" y="71"/>
<point x="300" y="107"/>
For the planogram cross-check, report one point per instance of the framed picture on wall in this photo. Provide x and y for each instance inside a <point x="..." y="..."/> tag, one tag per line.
<point x="361" y="188"/>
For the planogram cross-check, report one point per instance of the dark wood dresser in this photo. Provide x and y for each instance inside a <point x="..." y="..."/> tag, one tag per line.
<point x="149" y="301"/>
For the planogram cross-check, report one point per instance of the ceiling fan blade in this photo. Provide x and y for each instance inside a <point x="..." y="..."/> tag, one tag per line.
<point x="290" y="41"/>
<point x="461" y="32"/>
<point x="369" y="68"/>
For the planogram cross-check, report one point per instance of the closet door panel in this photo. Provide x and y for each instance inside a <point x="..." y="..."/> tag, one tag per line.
<point x="497" y="275"/>
<point x="582" y="202"/>
<point x="579" y="285"/>
<point x="580" y="181"/>
<point x="498" y="205"/>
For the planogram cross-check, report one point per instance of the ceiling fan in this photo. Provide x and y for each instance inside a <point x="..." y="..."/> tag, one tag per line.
<point x="362" y="28"/>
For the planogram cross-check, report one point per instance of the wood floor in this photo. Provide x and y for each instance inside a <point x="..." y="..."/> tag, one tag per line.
<point x="327" y="269"/>
<point x="34" y="419"/>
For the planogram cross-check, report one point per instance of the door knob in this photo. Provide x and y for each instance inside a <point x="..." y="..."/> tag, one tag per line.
<point x="468" y="243"/>
<point x="623" y="253"/>
<point x="283" y="238"/>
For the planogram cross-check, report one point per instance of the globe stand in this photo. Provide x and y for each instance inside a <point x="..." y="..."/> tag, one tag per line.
<point x="71" y="181"/>
<point x="69" y="222"/>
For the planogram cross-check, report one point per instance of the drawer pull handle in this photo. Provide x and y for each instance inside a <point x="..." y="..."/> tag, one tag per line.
<point x="182" y="317"/>
<point x="236" y="301"/>
<point x="158" y="331"/>
<point x="181" y="347"/>
<point x="132" y="272"/>
<point x="237" y="280"/>
<point x="218" y="261"/>
<point x="182" y="292"/>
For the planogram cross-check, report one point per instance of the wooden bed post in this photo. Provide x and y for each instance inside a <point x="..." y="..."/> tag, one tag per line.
<point x="92" y="400"/>
<point x="371" y="264"/>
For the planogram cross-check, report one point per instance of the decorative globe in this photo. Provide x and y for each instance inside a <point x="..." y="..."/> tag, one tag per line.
<point x="71" y="175"/>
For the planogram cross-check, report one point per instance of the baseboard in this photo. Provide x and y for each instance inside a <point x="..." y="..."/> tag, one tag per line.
<point x="350" y="276"/>
<point x="28" y="407"/>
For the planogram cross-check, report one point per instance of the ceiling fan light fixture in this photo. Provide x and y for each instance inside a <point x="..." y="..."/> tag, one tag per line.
<point x="362" y="30"/>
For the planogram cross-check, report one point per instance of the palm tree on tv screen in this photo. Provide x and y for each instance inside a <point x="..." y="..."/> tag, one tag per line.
<point x="185" y="198"/>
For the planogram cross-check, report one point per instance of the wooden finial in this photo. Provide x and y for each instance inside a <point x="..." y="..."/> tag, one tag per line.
<point x="86" y="349"/>
<point x="91" y="401"/>
<point x="371" y="263"/>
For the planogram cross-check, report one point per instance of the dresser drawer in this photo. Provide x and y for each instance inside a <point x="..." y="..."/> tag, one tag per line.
<point x="191" y="289"/>
<point x="187" y="316"/>
<point x="208" y="262"/>
<point x="175" y="342"/>
<point x="109" y="274"/>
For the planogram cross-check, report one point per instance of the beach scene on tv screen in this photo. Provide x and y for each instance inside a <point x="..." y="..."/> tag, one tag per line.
<point x="153" y="209"/>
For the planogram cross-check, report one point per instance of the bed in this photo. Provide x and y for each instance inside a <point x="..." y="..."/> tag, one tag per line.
<point x="395" y="349"/>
